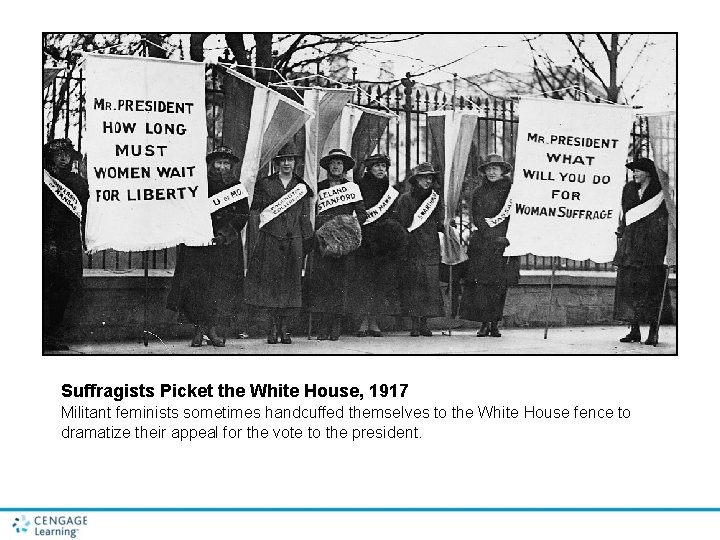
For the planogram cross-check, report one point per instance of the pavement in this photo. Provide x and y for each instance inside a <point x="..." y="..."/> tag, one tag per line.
<point x="600" y="340"/>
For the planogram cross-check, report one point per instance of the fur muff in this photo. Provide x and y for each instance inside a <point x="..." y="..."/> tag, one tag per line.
<point x="339" y="236"/>
<point x="388" y="237"/>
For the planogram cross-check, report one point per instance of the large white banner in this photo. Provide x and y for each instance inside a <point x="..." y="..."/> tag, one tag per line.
<point x="146" y="140"/>
<point x="568" y="178"/>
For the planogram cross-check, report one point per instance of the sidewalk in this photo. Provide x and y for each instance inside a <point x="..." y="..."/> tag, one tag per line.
<point x="567" y="340"/>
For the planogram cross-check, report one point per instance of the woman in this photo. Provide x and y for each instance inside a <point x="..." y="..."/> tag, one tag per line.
<point x="420" y="212"/>
<point x="375" y="282"/>
<point x="640" y="255"/>
<point x="340" y="212"/>
<point x="208" y="282"/>
<point x="276" y="263"/>
<point x="489" y="273"/>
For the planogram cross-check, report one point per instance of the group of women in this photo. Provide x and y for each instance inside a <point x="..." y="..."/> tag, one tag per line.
<point x="374" y="252"/>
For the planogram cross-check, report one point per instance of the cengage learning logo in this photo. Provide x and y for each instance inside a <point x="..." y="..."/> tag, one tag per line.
<point x="21" y="524"/>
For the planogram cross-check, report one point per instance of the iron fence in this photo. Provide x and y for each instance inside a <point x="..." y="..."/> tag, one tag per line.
<point x="405" y="142"/>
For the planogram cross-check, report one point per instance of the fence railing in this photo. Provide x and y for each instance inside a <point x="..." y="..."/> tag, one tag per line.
<point x="406" y="143"/>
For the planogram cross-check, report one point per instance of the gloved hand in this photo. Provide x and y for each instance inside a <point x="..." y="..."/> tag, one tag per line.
<point x="226" y="235"/>
<point x="501" y="240"/>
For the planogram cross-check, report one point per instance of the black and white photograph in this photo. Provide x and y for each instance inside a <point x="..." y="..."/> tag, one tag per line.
<point x="359" y="193"/>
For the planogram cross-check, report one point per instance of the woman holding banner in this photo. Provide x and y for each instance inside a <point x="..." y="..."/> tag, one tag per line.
<point x="274" y="278"/>
<point x="208" y="283"/>
<point x="420" y="211"/>
<point x="340" y="212"/>
<point x="375" y="274"/>
<point x="640" y="256"/>
<point x="489" y="273"/>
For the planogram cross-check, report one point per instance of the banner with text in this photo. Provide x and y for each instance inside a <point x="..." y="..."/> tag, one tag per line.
<point x="569" y="174"/>
<point x="146" y="139"/>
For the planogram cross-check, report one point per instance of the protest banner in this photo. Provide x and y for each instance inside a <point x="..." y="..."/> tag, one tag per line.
<point x="146" y="139"/>
<point x="569" y="174"/>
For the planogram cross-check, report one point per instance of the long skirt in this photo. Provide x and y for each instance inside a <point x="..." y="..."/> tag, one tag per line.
<point x="207" y="286"/>
<point x="420" y="289"/>
<point x="638" y="294"/>
<point x="483" y="302"/>
<point x="330" y="283"/>
<point x="374" y="288"/>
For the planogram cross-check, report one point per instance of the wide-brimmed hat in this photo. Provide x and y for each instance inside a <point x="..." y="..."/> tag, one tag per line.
<point x="496" y="160"/>
<point x="642" y="164"/>
<point x="423" y="169"/>
<point x="221" y="152"/>
<point x="377" y="158"/>
<point x="289" y="150"/>
<point x="337" y="153"/>
<point x="56" y="145"/>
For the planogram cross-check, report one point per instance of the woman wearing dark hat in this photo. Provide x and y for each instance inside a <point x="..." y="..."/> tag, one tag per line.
<point x="640" y="255"/>
<point x="208" y="282"/>
<point x="375" y="283"/>
<point x="65" y="196"/>
<point x="274" y="278"/>
<point x="340" y="212"/>
<point x="420" y="212"/>
<point x="489" y="273"/>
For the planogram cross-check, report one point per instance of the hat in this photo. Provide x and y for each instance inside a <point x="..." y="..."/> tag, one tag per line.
<point x="496" y="160"/>
<point x="642" y="164"/>
<point x="55" y="145"/>
<point x="337" y="153"/>
<point x="423" y="169"/>
<point x="289" y="150"/>
<point x="377" y="158"/>
<point x="221" y="152"/>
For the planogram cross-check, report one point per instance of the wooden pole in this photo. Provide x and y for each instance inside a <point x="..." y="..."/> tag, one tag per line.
<point x="662" y="304"/>
<point x="450" y="319"/>
<point x="147" y="280"/>
<point x="549" y="308"/>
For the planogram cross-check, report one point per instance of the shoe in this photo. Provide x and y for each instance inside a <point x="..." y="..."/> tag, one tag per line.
<point x="272" y="337"/>
<point x="362" y="333"/>
<point x="335" y="329"/>
<point x="197" y="339"/>
<point x="214" y="338"/>
<point x="375" y="333"/>
<point x="633" y="336"/>
<point x="424" y="330"/>
<point x="414" y="332"/>
<point x="652" y="338"/>
<point x="484" y="330"/>
<point x="284" y="333"/>
<point x="494" y="331"/>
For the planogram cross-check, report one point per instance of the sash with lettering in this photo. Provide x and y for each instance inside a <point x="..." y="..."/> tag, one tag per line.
<point x="63" y="194"/>
<point x="502" y="216"/>
<point x="342" y="194"/>
<point x="228" y="196"/>
<point x="425" y="211"/>
<point x="644" y="210"/>
<point x="283" y="203"/>
<point x="381" y="207"/>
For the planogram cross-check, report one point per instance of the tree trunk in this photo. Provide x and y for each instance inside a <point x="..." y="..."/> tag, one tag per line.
<point x="263" y="57"/>
<point x="153" y="50"/>
<point x="196" y="47"/>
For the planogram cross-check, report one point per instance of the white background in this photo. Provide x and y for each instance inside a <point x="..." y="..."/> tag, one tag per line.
<point x="666" y="455"/>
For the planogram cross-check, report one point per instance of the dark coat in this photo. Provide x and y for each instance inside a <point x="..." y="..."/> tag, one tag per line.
<point x="330" y="277"/>
<point x="63" y="233"/>
<point x="274" y="278"/>
<point x="420" y="260"/>
<point x="487" y="264"/>
<point x="207" y="285"/>
<point x="640" y="260"/>
<point x="375" y="279"/>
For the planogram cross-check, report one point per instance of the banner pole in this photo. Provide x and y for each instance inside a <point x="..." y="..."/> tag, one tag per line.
<point x="662" y="304"/>
<point x="450" y="319"/>
<point x="549" y="308"/>
<point x="145" y="317"/>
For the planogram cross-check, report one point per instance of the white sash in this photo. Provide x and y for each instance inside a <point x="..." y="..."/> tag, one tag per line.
<point x="380" y="208"/>
<point x="342" y="194"/>
<point x="424" y="212"/>
<point x="282" y="204"/>
<point x="230" y="195"/>
<point x="644" y="209"/>
<point x="502" y="216"/>
<point x="63" y="194"/>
